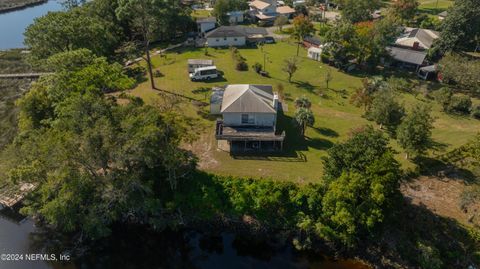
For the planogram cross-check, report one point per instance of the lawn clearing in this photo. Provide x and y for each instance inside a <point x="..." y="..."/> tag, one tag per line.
<point x="434" y="6"/>
<point x="334" y="115"/>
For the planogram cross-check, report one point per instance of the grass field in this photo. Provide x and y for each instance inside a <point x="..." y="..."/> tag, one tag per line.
<point x="434" y="6"/>
<point x="335" y="116"/>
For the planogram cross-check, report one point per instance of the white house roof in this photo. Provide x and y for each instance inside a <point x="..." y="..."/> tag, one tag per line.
<point x="424" y="37"/>
<point x="248" y="98"/>
<point x="315" y="49"/>
<point x="407" y="55"/>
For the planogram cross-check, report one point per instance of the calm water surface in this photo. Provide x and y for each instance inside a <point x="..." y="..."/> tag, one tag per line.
<point x="13" y="24"/>
<point x="138" y="249"/>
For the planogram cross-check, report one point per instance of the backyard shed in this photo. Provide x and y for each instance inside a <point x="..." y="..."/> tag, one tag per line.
<point x="315" y="53"/>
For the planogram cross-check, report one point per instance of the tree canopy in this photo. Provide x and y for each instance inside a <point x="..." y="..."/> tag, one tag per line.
<point x="461" y="28"/>
<point x="415" y="130"/>
<point x="358" y="10"/>
<point x="96" y="162"/>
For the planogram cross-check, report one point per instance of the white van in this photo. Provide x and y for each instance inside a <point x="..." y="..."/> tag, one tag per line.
<point x="204" y="73"/>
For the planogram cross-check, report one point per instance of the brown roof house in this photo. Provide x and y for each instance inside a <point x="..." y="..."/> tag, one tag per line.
<point x="249" y="118"/>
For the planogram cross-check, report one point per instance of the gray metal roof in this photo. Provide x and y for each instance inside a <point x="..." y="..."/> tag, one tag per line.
<point x="200" y="61"/>
<point x="247" y="98"/>
<point x="407" y="55"/>
<point x="236" y="31"/>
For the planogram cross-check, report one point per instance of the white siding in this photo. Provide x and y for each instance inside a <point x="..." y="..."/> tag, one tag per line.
<point x="205" y="26"/>
<point x="226" y="41"/>
<point x="261" y="119"/>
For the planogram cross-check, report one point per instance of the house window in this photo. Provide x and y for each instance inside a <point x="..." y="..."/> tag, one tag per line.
<point x="235" y="39"/>
<point x="217" y="39"/>
<point x="224" y="38"/>
<point x="247" y="119"/>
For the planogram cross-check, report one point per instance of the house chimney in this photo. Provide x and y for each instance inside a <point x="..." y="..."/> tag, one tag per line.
<point x="416" y="45"/>
<point x="275" y="101"/>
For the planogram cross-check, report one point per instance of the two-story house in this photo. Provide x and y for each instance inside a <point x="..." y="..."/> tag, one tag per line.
<point x="268" y="10"/>
<point x="249" y="117"/>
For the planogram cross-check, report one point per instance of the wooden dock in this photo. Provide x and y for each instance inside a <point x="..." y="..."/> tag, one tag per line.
<point x="10" y="195"/>
<point x="22" y="75"/>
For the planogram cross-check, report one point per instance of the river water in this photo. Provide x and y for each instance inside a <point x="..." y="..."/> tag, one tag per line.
<point x="138" y="249"/>
<point x="13" y="24"/>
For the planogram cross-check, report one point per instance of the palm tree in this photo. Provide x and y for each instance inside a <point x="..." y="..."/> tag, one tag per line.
<point x="303" y="102"/>
<point x="304" y="117"/>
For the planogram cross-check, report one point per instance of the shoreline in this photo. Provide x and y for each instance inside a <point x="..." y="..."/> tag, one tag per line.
<point x="31" y="3"/>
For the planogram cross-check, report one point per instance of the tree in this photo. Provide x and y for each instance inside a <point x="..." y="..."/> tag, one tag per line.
<point x="358" y="10"/>
<point x="70" y="30"/>
<point x="280" y="21"/>
<point x="77" y="72"/>
<point x="356" y="202"/>
<point x="364" y="42"/>
<point x="385" y="110"/>
<point x="291" y="66"/>
<point x="461" y="71"/>
<point x="147" y="18"/>
<point x="355" y="154"/>
<point x="220" y="11"/>
<point x="328" y="76"/>
<point x="304" y="117"/>
<point x="414" y="132"/>
<point x="404" y="9"/>
<point x="95" y="162"/>
<point x="461" y="28"/>
<point x="302" y="27"/>
<point x="303" y="102"/>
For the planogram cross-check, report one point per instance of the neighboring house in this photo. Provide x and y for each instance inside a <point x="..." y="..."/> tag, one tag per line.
<point x="268" y="10"/>
<point x="235" y="17"/>
<point x="416" y="38"/>
<point x="310" y="41"/>
<point x="206" y="24"/>
<point x="196" y="63"/>
<point x="412" y="45"/>
<point x="249" y="115"/>
<point x="237" y="36"/>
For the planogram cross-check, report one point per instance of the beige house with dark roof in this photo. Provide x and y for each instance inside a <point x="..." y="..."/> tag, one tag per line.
<point x="249" y="117"/>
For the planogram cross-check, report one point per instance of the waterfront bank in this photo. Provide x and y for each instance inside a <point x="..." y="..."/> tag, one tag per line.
<point x="13" y="5"/>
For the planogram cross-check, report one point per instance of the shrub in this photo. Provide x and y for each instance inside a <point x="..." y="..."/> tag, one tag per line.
<point x="444" y="97"/>
<point x="325" y="57"/>
<point x="460" y="104"/>
<point x="241" y="66"/>
<point x="257" y="67"/>
<point x="476" y="112"/>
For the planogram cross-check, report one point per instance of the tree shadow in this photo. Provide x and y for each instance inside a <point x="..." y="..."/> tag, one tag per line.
<point x="428" y="166"/>
<point x="415" y="228"/>
<point x="306" y="85"/>
<point x="326" y="131"/>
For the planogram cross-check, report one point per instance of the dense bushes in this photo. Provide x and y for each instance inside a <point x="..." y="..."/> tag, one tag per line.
<point x="458" y="104"/>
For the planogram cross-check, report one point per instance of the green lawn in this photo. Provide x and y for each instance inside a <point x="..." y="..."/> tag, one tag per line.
<point x="434" y="6"/>
<point x="335" y="116"/>
<point x="201" y="13"/>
